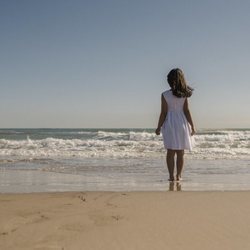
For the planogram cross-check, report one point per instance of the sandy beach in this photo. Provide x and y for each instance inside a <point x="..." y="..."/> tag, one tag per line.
<point x="127" y="220"/>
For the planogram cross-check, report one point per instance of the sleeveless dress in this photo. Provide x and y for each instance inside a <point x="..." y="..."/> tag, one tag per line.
<point x="176" y="130"/>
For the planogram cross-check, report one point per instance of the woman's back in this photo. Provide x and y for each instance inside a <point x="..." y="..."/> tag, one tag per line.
<point x="174" y="103"/>
<point x="176" y="130"/>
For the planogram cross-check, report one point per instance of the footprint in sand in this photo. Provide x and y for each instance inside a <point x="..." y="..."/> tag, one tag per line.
<point x="4" y="233"/>
<point x="117" y="217"/>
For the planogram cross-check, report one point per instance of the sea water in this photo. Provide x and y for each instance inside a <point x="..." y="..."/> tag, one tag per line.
<point x="39" y="160"/>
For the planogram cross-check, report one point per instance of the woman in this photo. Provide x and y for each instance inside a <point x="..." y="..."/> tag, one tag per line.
<point x="176" y="122"/>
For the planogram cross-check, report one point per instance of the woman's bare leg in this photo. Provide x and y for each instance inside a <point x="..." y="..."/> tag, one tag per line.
<point x="179" y="163"/>
<point x="170" y="163"/>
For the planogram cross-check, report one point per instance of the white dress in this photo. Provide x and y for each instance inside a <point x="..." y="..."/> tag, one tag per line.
<point x="176" y="130"/>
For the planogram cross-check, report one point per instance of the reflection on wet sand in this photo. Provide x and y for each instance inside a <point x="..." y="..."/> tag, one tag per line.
<point x="174" y="186"/>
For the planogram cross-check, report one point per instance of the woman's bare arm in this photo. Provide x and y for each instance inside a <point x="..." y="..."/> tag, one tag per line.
<point x="164" y="111"/>
<point x="188" y="116"/>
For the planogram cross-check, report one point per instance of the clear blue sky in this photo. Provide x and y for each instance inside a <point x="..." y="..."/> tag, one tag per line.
<point x="80" y="63"/>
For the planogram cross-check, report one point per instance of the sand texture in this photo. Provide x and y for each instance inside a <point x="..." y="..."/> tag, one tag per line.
<point x="129" y="221"/>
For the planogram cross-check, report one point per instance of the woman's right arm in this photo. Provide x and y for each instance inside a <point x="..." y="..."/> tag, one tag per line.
<point x="188" y="116"/>
<point x="164" y="111"/>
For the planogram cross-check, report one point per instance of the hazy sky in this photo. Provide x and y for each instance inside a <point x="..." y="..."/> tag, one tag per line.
<point x="80" y="63"/>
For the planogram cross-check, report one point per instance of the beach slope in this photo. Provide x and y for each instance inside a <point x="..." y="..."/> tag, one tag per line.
<point x="128" y="220"/>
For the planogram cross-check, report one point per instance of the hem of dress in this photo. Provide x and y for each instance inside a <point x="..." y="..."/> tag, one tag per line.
<point x="189" y="149"/>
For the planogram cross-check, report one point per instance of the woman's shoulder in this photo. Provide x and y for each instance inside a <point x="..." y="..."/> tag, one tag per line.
<point x="167" y="92"/>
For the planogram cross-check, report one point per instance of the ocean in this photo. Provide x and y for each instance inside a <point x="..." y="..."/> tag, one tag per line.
<point x="54" y="160"/>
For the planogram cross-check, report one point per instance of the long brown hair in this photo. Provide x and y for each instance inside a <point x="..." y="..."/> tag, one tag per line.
<point x="177" y="82"/>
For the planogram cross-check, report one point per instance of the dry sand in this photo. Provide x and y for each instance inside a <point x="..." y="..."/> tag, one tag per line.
<point x="136" y="220"/>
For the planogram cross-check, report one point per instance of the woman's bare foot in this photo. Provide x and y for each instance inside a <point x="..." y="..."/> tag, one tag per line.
<point x="178" y="178"/>
<point x="171" y="178"/>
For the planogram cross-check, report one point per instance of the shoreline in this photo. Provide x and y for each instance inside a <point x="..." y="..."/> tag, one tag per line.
<point x="125" y="220"/>
<point x="124" y="176"/>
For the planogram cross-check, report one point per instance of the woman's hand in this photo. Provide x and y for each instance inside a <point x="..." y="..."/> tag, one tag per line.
<point x="193" y="131"/>
<point x="158" y="131"/>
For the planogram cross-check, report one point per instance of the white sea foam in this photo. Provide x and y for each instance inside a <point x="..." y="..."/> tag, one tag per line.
<point x="127" y="144"/>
